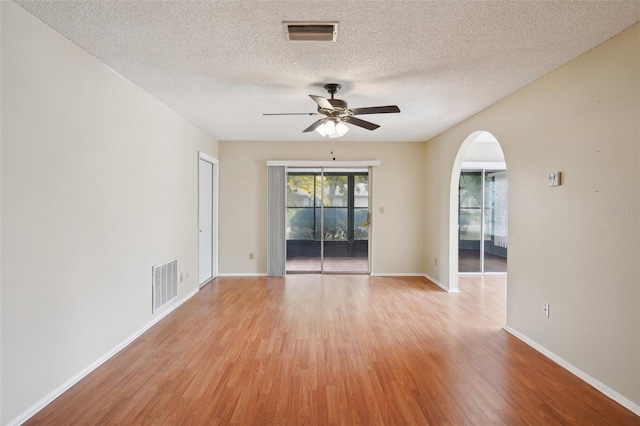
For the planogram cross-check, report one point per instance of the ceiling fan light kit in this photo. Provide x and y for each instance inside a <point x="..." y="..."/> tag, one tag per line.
<point x="337" y="113"/>
<point x="332" y="128"/>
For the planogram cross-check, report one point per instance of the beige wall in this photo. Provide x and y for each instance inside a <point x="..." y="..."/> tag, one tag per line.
<point x="583" y="120"/>
<point x="398" y="185"/>
<point x="99" y="183"/>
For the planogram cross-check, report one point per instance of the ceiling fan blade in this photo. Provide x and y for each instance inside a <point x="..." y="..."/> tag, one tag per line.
<point x="314" y="126"/>
<point x="360" y="123"/>
<point x="322" y="102"/>
<point x="376" y="110"/>
<point x="295" y="113"/>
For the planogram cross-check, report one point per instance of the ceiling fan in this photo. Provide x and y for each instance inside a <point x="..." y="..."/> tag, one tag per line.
<point x="337" y="112"/>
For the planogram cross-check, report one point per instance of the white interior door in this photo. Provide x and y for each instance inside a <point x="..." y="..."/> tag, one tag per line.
<point x="205" y="221"/>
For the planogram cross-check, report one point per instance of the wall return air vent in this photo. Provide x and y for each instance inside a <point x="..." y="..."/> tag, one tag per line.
<point x="310" y="31"/>
<point x="165" y="283"/>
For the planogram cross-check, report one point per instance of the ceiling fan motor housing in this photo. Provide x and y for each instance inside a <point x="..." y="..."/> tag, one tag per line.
<point x="338" y="104"/>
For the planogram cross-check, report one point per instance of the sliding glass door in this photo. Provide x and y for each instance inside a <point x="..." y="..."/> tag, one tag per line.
<point x="470" y="222"/>
<point x="304" y="199"/>
<point x="482" y="220"/>
<point x="327" y="226"/>
<point x="495" y="222"/>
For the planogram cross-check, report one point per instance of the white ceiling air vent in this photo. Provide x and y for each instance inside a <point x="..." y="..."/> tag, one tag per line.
<point x="310" y="31"/>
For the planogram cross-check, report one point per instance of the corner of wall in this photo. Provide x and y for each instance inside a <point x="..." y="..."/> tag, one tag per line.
<point x="1" y="322"/>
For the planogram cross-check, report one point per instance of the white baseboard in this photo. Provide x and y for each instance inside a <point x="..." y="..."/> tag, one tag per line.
<point x="396" y="274"/>
<point x="31" y="411"/>
<point x="481" y="274"/>
<point x="439" y="284"/>
<point x="243" y="274"/>
<point x="626" y="403"/>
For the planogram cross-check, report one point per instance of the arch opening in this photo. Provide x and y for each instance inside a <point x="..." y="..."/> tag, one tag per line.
<point x="478" y="213"/>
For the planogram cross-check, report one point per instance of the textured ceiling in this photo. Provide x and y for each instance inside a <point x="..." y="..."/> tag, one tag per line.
<point x="222" y="64"/>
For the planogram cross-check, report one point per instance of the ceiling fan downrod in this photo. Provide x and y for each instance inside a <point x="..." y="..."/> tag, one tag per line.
<point x="332" y="88"/>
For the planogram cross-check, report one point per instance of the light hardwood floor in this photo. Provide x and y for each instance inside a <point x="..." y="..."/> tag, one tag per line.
<point x="319" y="350"/>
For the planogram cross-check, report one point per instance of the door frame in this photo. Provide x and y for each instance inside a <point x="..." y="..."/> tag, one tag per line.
<point x="214" y="217"/>
<point x="368" y="164"/>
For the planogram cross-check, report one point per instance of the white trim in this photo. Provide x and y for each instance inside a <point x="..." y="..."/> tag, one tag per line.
<point x="480" y="274"/>
<point x="214" y="225"/>
<point x="328" y="164"/>
<point x="370" y="219"/>
<point x="442" y="286"/>
<point x="243" y="274"/>
<point x="216" y="210"/>
<point x="207" y="157"/>
<point x="35" y="408"/>
<point x="396" y="274"/>
<point x="606" y="390"/>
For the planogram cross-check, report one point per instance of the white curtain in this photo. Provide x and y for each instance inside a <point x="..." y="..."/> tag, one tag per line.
<point x="276" y="205"/>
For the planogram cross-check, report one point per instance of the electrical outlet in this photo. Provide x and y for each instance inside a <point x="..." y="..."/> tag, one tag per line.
<point x="187" y="274"/>
<point x="436" y="262"/>
<point x="250" y="255"/>
<point x="546" y="310"/>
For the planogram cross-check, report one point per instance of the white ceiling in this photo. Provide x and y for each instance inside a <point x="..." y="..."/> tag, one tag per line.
<point x="222" y="64"/>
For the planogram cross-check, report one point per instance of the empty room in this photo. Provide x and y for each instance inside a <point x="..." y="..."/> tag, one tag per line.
<point x="318" y="212"/>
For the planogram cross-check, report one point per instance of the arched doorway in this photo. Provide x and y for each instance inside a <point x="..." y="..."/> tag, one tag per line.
<point x="478" y="209"/>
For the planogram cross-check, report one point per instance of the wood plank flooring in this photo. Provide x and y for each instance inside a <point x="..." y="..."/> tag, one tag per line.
<point x="328" y="349"/>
